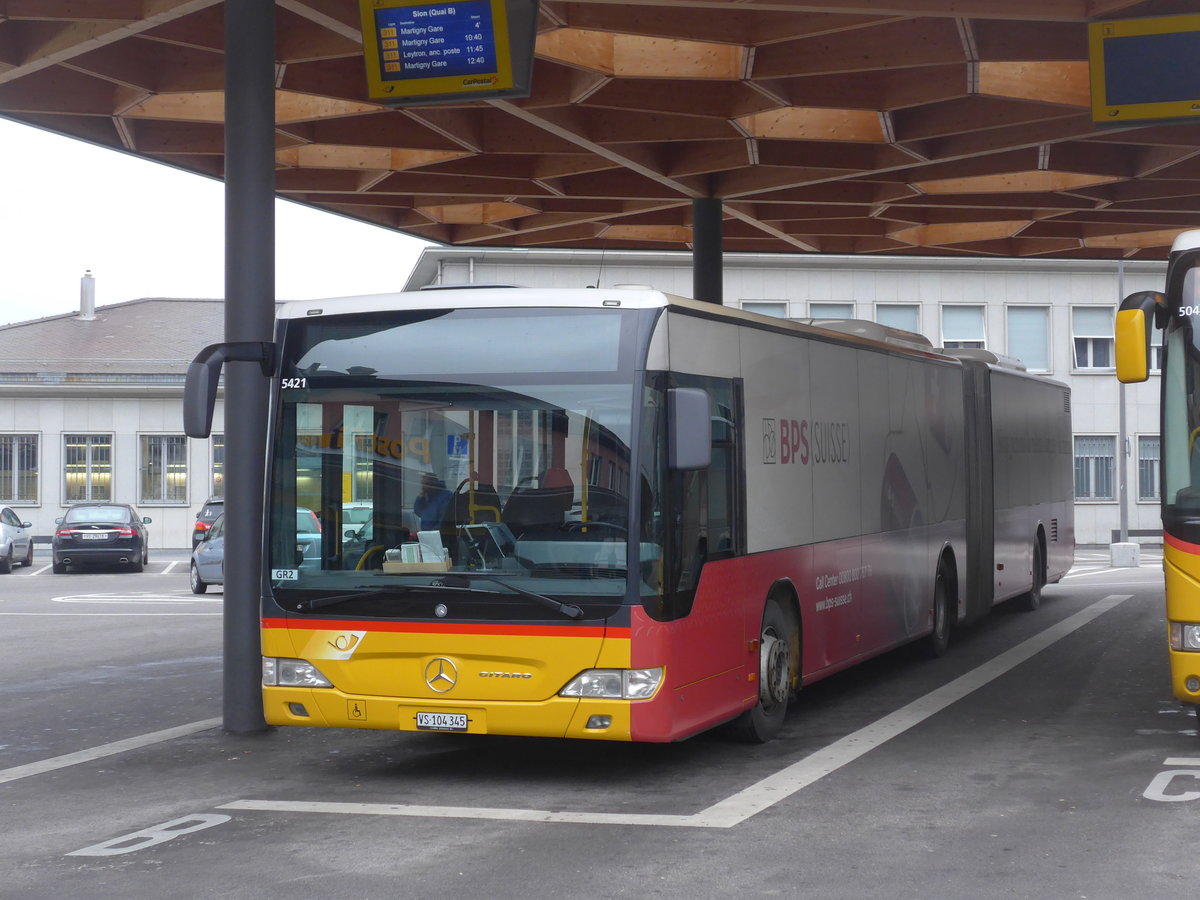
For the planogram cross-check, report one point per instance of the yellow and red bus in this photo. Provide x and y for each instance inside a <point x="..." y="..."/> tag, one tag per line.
<point x="1176" y="312"/>
<point x="622" y="515"/>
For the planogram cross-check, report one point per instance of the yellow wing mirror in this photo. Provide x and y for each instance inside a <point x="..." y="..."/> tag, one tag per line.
<point x="1135" y="321"/>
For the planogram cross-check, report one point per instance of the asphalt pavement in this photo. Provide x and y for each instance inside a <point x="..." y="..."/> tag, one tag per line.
<point x="1042" y="757"/>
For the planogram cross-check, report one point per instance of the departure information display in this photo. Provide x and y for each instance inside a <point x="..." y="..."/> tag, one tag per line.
<point x="440" y="39"/>
<point x="1145" y="69"/>
<point x="415" y="49"/>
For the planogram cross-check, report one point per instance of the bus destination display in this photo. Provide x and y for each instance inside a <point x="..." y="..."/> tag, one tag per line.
<point x="419" y="49"/>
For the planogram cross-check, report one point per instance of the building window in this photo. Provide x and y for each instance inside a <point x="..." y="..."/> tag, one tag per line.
<point x="18" y="468"/>
<point x="217" y="479"/>
<point x="1156" y="350"/>
<point x="164" y="468"/>
<point x="905" y="316"/>
<point x="87" y="467"/>
<point x="775" y="308"/>
<point x="1029" y="336"/>
<point x="1148" y="453"/>
<point x="1092" y="334"/>
<point x="962" y="327"/>
<point x="1095" y="457"/>
<point x="831" y="310"/>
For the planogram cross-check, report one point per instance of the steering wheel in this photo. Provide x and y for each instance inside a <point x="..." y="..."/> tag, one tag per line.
<point x="576" y="527"/>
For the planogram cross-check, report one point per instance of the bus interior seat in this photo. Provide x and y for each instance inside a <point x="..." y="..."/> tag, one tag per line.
<point x="540" y="508"/>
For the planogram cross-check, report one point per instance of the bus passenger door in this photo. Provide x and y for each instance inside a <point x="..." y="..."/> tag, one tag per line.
<point x="704" y="545"/>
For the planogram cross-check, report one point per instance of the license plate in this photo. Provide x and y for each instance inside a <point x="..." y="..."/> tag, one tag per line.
<point x="435" y="721"/>
<point x="93" y="536"/>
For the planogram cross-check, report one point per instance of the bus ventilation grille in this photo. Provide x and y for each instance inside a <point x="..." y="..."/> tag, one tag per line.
<point x="1067" y="402"/>
<point x="1054" y="530"/>
<point x="551" y="570"/>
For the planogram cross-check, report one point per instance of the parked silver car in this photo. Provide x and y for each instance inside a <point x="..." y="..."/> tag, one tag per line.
<point x="16" y="543"/>
<point x="208" y="557"/>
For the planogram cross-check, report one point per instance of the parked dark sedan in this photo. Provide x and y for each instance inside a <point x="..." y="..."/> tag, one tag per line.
<point x="212" y="508"/>
<point x="100" y="533"/>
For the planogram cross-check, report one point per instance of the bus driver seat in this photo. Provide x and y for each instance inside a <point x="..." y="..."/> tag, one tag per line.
<point x="540" y="509"/>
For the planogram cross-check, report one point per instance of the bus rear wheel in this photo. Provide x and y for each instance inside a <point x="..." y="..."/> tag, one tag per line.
<point x="1032" y="600"/>
<point x="762" y="722"/>
<point x="938" y="641"/>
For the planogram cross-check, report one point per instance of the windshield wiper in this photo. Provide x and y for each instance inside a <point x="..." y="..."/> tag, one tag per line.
<point x="570" y="610"/>
<point x="369" y="591"/>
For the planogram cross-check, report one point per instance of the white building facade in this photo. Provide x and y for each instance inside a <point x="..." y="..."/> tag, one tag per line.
<point x="91" y="408"/>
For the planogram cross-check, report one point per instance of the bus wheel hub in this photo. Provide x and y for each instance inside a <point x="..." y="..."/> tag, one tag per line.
<point x="774" y="669"/>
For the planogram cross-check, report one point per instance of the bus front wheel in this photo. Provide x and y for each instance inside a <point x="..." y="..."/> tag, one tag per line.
<point x="762" y="722"/>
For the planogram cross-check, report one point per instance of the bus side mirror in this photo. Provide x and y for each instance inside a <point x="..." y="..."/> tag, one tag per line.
<point x="689" y="429"/>
<point x="204" y="374"/>
<point x="1135" y="320"/>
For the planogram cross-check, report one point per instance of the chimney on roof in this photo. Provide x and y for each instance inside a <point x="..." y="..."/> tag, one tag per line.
<point x="87" y="296"/>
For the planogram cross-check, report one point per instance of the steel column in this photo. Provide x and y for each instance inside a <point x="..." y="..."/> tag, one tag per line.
<point x="249" y="316"/>
<point x="706" y="249"/>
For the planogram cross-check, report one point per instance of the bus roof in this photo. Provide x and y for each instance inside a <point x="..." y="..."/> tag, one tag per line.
<point x="623" y="297"/>
<point x="474" y="297"/>
<point x="1187" y="240"/>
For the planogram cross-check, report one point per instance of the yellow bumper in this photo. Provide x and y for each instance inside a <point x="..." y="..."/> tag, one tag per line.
<point x="504" y="678"/>
<point x="557" y="717"/>
<point x="1181" y="568"/>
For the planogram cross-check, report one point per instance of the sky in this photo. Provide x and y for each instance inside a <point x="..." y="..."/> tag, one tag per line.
<point x="147" y="230"/>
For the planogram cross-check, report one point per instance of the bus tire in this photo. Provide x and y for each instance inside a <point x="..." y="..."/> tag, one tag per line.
<point x="6" y="561"/>
<point x="1033" y="599"/>
<point x="762" y="722"/>
<point x="937" y="642"/>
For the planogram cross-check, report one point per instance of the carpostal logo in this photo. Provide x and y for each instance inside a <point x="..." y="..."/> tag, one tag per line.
<point x="792" y="441"/>
<point x="480" y="81"/>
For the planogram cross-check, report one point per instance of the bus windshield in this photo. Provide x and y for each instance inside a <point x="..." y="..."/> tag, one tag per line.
<point x="1181" y="418"/>
<point x="391" y="494"/>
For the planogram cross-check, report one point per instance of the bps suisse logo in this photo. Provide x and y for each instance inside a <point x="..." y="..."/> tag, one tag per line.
<point x="789" y="441"/>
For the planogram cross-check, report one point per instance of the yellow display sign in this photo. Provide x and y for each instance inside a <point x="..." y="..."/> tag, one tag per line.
<point x="1145" y="69"/>
<point x="419" y="51"/>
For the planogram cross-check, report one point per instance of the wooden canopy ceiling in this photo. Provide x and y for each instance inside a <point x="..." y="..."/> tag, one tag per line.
<point x="849" y="126"/>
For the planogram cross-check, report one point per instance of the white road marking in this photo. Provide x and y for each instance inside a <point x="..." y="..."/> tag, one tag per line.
<point x="774" y="788"/>
<point x="94" y="753"/>
<point x="152" y="836"/>
<point x="147" y="597"/>
<point x="1181" y="761"/>
<point x="171" y="565"/>
<point x="459" y="812"/>
<point x="763" y="794"/>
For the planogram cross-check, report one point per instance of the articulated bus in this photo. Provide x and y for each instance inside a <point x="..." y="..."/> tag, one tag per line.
<point x="1177" y="313"/>
<point x="622" y="515"/>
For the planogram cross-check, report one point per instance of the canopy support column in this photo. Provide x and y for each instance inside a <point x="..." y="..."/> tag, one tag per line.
<point x="707" y="279"/>
<point x="249" y="316"/>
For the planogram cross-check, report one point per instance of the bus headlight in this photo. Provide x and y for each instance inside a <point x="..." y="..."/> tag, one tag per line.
<point x="283" y="672"/>
<point x="1185" y="636"/>
<point x="614" y="684"/>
